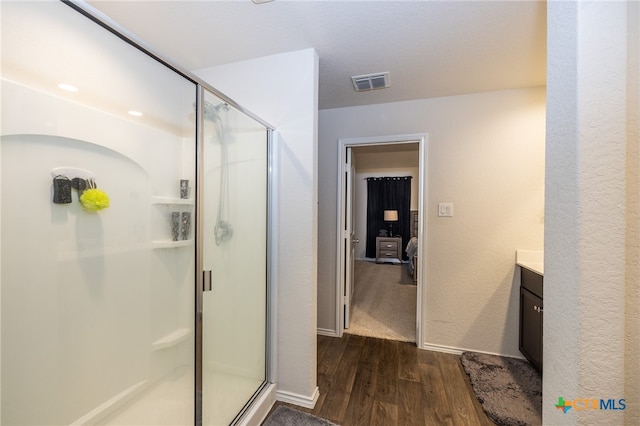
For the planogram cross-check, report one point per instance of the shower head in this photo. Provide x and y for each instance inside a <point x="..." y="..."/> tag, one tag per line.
<point x="211" y="110"/>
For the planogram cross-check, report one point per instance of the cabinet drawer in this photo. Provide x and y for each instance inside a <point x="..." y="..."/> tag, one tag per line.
<point x="531" y="281"/>
<point x="388" y="245"/>
<point x="388" y="253"/>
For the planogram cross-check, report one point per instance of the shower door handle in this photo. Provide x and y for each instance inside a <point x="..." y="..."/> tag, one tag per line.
<point x="207" y="285"/>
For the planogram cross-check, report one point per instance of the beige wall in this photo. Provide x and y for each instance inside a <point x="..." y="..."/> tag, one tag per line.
<point x="486" y="156"/>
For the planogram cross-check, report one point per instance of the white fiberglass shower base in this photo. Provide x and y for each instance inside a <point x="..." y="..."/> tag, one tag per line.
<point x="158" y="406"/>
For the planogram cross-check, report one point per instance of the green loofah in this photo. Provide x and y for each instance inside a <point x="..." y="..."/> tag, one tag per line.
<point x="94" y="200"/>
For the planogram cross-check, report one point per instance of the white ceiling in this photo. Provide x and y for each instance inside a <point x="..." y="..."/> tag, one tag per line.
<point x="430" y="48"/>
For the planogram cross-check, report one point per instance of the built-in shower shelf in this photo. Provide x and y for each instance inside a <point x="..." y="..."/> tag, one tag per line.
<point x="172" y="201"/>
<point x="171" y="339"/>
<point x="163" y="244"/>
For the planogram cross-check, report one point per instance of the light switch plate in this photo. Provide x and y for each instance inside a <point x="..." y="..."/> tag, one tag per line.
<point x="445" y="209"/>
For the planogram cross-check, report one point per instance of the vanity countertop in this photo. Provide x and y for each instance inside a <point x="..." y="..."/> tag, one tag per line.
<point x="530" y="259"/>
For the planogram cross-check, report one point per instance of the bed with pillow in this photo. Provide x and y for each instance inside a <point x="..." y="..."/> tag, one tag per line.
<point x="412" y="246"/>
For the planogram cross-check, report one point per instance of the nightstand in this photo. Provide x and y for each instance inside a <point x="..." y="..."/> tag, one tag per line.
<point x="388" y="248"/>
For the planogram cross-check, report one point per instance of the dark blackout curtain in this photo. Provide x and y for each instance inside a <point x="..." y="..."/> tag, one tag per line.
<point x="388" y="193"/>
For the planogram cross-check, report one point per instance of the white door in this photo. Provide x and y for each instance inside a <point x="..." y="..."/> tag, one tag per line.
<point x="349" y="237"/>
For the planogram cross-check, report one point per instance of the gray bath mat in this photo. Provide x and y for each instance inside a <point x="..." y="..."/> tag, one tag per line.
<point x="285" y="416"/>
<point x="509" y="389"/>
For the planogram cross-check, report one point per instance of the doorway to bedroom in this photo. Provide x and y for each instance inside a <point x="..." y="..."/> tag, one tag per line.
<point x="380" y="279"/>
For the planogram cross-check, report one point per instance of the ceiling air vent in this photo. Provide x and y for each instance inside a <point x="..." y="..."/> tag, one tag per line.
<point x="366" y="82"/>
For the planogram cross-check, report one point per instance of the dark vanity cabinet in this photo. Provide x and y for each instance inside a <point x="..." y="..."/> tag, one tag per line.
<point x="531" y="317"/>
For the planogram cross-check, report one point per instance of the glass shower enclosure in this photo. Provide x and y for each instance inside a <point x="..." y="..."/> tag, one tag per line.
<point x="133" y="233"/>
<point x="234" y="261"/>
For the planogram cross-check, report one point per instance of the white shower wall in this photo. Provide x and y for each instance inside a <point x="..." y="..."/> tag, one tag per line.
<point x="86" y="297"/>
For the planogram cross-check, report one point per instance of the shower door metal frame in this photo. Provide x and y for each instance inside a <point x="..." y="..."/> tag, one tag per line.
<point x="199" y="272"/>
<point x="270" y="334"/>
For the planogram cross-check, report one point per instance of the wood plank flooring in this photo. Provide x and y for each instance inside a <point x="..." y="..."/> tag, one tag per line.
<point x="369" y="381"/>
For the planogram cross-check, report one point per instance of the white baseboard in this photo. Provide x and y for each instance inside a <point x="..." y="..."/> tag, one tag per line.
<point x="260" y="407"/>
<point x="327" y="332"/>
<point x="458" y="351"/>
<point x="297" y="399"/>
<point x="441" y="348"/>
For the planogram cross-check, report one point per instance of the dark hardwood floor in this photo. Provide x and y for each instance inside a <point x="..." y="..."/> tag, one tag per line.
<point x="369" y="381"/>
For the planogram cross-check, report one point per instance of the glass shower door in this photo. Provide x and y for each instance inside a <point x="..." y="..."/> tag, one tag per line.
<point x="233" y="196"/>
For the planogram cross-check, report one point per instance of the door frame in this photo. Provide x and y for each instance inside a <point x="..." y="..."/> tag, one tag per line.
<point x="343" y="144"/>
<point x="349" y="234"/>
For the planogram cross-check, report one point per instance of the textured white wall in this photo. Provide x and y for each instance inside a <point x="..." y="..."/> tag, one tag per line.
<point x="591" y="229"/>
<point x="486" y="155"/>
<point x="282" y="89"/>
<point x="632" y="255"/>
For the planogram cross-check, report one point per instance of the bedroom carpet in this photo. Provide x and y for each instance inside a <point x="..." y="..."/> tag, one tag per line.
<point x="509" y="389"/>
<point x="385" y="302"/>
